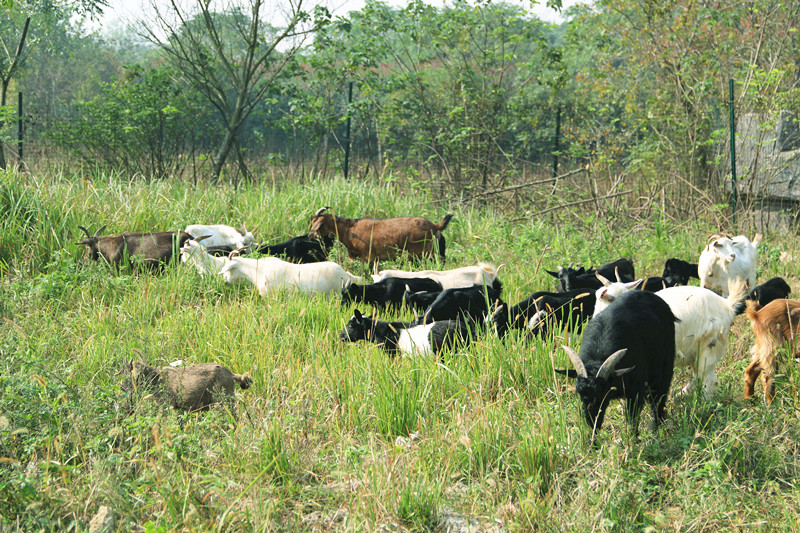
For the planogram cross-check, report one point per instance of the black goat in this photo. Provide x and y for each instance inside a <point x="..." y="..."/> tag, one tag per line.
<point x="419" y="300"/>
<point x="301" y="249"/>
<point x="678" y="272"/>
<point x="571" y="278"/>
<point x="772" y="289"/>
<point x="147" y="250"/>
<point x="541" y="310"/>
<point x="405" y="338"/>
<point x="388" y="291"/>
<point x="472" y="303"/>
<point x="628" y="351"/>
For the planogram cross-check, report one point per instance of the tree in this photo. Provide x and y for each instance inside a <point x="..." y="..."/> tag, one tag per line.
<point x="230" y="56"/>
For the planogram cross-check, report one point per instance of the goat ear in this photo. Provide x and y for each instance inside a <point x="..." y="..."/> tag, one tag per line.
<point x="602" y="294"/>
<point x="568" y="373"/>
<point x="358" y="315"/>
<point x="552" y="273"/>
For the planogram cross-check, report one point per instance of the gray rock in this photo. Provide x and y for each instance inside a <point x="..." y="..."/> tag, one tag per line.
<point x="103" y="521"/>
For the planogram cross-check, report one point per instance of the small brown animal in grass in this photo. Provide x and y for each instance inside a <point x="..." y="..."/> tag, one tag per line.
<point x="775" y="325"/>
<point x="191" y="388"/>
<point x="375" y="239"/>
<point x="152" y="250"/>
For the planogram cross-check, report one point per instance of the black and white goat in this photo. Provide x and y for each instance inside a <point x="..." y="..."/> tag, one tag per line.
<point x="388" y="291"/>
<point x="543" y="310"/>
<point x="404" y="338"/>
<point x="301" y="249"/>
<point x="579" y="278"/>
<point x="627" y="352"/>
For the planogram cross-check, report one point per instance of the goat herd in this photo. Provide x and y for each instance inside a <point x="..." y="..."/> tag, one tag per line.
<point x="635" y="331"/>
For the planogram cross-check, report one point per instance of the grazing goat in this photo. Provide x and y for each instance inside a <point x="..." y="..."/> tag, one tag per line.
<point x="472" y="303"/>
<point x="270" y="274"/>
<point x="776" y="325"/>
<point x="376" y="239"/>
<point x="389" y="291"/>
<point x="728" y="258"/>
<point x="193" y="254"/>
<point x="149" y="250"/>
<point x="572" y="279"/>
<point x="770" y="290"/>
<point x="191" y="388"/>
<point x="543" y="310"/>
<point x="302" y="249"/>
<point x="701" y="334"/>
<point x="480" y="274"/>
<point x="419" y="300"/>
<point x="628" y="352"/>
<point x="222" y="237"/>
<point x="404" y="338"/>
<point x="678" y="272"/>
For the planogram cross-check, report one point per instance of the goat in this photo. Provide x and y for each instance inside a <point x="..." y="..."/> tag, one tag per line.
<point x="148" y="250"/>
<point x="472" y="302"/>
<point x="193" y="254"/>
<point x="772" y="289"/>
<point x="678" y="272"/>
<point x="271" y="274"/>
<point x="404" y="338"/>
<point x="419" y="300"/>
<point x="389" y="291"/>
<point x="191" y="388"/>
<point x="480" y="274"/>
<point x="701" y="335"/>
<point x="628" y="352"/>
<point x="572" y="279"/>
<point x="376" y="239"/>
<point x="775" y="325"/>
<point x="301" y="249"/>
<point x="727" y="258"/>
<point x="540" y="310"/>
<point x="222" y="236"/>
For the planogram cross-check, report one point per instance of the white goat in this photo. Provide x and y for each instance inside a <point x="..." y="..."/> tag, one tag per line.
<point x="271" y="274"/>
<point x="193" y="254"/>
<point x="222" y="236"/>
<point x="725" y="259"/>
<point x="457" y="278"/>
<point x="701" y="335"/>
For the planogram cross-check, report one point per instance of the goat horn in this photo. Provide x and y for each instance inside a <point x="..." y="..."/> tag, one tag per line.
<point x="235" y="252"/>
<point x="608" y="365"/>
<point x="98" y="232"/>
<point x="603" y="279"/>
<point x="616" y="273"/>
<point x="321" y="210"/>
<point x="580" y="370"/>
<point x="86" y="231"/>
<point x="202" y="238"/>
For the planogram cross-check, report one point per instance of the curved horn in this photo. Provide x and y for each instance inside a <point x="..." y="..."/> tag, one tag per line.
<point x="603" y="279"/>
<point x="608" y="365"/>
<point x="576" y="361"/>
<point x="202" y="238"/>
<point x="616" y="273"/>
<point x="98" y="232"/>
<point x="86" y="231"/>
<point x="236" y="252"/>
<point x="321" y="210"/>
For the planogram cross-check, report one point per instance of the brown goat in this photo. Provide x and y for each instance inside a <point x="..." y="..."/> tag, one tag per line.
<point x="374" y="239"/>
<point x="150" y="250"/>
<point x="191" y="388"/>
<point x="775" y="325"/>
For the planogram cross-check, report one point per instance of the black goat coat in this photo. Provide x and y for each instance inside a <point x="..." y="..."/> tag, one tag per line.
<point x="573" y="279"/>
<point x="301" y="249"/>
<point x="773" y="289"/>
<point x="472" y="302"/>
<point x="642" y="323"/>
<point x="678" y="271"/>
<point x="388" y="291"/>
<point x="571" y="308"/>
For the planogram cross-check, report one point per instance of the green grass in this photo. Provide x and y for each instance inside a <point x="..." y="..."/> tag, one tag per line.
<point x="336" y="436"/>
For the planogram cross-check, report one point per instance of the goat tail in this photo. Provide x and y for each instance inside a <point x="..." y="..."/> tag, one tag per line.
<point x="738" y="291"/>
<point x="244" y="380"/>
<point x="757" y="240"/>
<point x="766" y="337"/>
<point x="441" y="226"/>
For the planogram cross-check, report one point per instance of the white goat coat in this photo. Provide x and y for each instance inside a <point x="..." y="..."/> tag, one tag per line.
<point x="415" y="340"/>
<point x="221" y="235"/>
<point x="457" y="278"/>
<point x="271" y="274"/>
<point x="728" y="259"/>
<point x="193" y="254"/>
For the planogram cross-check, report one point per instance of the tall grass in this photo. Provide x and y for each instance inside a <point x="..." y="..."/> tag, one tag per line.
<point x="336" y="436"/>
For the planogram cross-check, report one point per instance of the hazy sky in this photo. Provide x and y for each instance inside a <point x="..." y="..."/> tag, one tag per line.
<point x="129" y="10"/>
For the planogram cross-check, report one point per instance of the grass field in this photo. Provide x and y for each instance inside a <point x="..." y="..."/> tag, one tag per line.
<point x="339" y="436"/>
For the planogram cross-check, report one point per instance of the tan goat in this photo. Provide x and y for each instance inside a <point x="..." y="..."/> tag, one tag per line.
<point x="191" y="388"/>
<point x="775" y="325"/>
